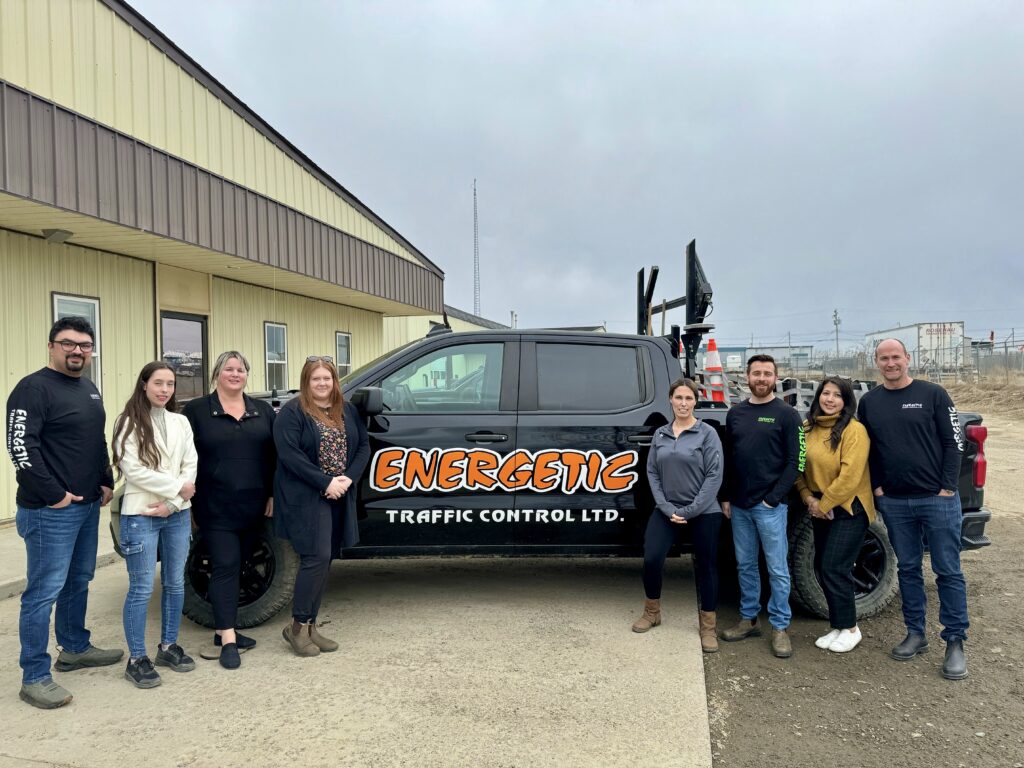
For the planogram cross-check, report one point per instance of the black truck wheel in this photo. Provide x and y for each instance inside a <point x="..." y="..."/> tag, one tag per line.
<point x="874" y="573"/>
<point x="265" y="586"/>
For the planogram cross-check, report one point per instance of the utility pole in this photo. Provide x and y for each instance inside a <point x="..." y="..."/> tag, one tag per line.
<point x="835" y="322"/>
<point x="512" y="317"/>
<point x="476" y="256"/>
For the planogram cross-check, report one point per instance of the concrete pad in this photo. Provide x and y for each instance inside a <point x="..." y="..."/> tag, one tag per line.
<point x="475" y="662"/>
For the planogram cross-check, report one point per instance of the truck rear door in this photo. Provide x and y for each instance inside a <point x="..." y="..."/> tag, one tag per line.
<point x="445" y="403"/>
<point x="590" y="403"/>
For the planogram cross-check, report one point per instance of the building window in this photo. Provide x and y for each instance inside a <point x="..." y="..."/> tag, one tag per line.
<point x="276" y="337"/>
<point x="183" y="347"/>
<point x="343" y="350"/>
<point x="65" y="305"/>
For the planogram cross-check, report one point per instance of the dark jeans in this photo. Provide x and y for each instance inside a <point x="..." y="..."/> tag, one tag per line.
<point x="661" y="535"/>
<point x="60" y="545"/>
<point x="228" y="550"/>
<point x="908" y="522"/>
<point x="836" y="545"/>
<point x="313" y="569"/>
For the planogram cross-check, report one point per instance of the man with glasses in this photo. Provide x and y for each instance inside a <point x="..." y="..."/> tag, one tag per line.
<point x="55" y="438"/>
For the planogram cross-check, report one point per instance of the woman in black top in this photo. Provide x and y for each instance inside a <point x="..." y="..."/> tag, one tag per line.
<point x="322" y="451"/>
<point x="234" y="436"/>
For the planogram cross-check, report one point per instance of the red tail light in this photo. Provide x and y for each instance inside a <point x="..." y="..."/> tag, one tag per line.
<point x="977" y="435"/>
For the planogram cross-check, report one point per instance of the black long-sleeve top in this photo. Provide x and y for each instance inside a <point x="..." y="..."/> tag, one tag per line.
<point x="55" y="439"/>
<point x="916" y="440"/>
<point x="764" y="452"/>
<point x="237" y="458"/>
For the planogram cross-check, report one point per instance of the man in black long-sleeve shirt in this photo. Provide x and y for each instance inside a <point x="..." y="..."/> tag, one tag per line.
<point x="55" y="421"/>
<point x="916" y="445"/>
<point x="764" y="453"/>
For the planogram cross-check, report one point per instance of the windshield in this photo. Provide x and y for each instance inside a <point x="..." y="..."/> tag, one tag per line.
<point x="361" y="369"/>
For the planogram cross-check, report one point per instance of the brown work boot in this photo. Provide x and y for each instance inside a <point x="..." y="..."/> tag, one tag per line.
<point x="321" y="642"/>
<point x="708" y="632"/>
<point x="746" y="628"/>
<point x="651" y="616"/>
<point x="781" y="646"/>
<point x="297" y="635"/>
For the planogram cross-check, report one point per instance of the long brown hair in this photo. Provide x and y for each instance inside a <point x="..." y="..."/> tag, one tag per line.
<point x="135" y="418"/>
<point x="845" y="415"/>
<point x="334" y="417"/>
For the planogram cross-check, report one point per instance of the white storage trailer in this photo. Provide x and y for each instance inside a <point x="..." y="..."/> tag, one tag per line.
<point x="935" y="346"/>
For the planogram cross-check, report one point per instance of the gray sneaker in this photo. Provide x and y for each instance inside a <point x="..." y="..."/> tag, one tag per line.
<point x="45" y="694"/>
<point x="90" y="657"/>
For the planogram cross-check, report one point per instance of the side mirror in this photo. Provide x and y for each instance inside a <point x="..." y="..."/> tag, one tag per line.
<point x="368" y="400"/>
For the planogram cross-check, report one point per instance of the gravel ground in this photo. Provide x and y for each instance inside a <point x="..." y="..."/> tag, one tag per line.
<point x="865" y="710"/>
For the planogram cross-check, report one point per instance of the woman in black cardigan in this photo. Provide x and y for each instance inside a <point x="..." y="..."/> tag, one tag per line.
<point x="322" y="451"/>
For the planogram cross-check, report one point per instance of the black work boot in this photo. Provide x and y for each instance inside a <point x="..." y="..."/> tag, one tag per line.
<point x="912" y="645"/>
<point x="955" y="665"/>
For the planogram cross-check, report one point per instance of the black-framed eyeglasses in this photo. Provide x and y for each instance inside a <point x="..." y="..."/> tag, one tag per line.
<point x="69" y="346"/>
<point x="320" y="359"/>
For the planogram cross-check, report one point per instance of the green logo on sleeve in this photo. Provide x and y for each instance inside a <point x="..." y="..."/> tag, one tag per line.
<point x="801" y="460"/>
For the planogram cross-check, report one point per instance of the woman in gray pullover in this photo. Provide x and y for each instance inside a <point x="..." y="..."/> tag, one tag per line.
<point x="685" y="472"/>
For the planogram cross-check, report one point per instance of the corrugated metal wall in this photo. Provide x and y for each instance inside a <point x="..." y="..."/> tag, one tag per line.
<point x="311" y="327"/>
<point x="30" y="269"/>
<point x="79" y="54"/>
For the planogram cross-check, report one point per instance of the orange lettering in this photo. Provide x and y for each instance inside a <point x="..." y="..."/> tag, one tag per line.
<point x="479" y="465"/>
<point x="386" y="469"/>
<point x="615" y="482"/>
<point x="545" y="477"/>
<point x="419" y="470"/>
<point x="573" y="462"/>
<point x="450" y="470"/>
<point x="508" y="473"/>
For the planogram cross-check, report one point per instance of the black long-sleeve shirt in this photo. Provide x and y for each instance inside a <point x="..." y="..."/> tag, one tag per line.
<point x="765" y="451"/>
<point x="916" y="440"/>
<point x="55" y="439"/>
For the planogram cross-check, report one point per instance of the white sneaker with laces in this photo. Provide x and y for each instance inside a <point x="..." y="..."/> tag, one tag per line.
<point x="847" y="640"/>
<point x="825" y="641"/>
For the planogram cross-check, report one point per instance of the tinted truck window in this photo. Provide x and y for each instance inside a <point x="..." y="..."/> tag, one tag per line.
<point x="587" y="377"/>
<point x="466" y="377"/>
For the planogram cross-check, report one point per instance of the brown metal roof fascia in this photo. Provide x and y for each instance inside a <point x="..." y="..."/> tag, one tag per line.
<point x="56" y="157"/>
<point x="141" y="25"/>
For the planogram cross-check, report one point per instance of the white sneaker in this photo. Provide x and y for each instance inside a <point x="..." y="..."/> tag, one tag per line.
<point x="847" y="640"/>
<point x="825" y="641"/>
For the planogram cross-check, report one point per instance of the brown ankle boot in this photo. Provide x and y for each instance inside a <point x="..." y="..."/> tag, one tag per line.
<point x="651" y="616"/>
<point x="296" y="634"/>
<point x="321" y="642"/>
<point x="708" y="632"/>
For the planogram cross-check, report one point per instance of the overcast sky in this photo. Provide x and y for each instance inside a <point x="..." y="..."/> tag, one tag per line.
<point x="862" y="156"/>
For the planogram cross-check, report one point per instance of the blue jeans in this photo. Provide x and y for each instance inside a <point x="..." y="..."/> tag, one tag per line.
<point x="767" y="527"/>
<point x="938" y="518"/>
<point x="60" y="545"/>
<point x="141" y="537"/>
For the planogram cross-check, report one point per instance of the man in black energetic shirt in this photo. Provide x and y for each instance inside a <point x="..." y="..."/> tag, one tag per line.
<point x="764" y="453"/>
<point x="916" y="444"/>
<point x="55" y="421"/>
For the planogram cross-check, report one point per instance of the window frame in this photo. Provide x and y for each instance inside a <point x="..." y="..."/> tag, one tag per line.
<point x="96" y="366"/>
<point x="507" y="359"/>
<point x="337" y="353"/>
<point x="267" y="362"/>
<point x="530" y="397"/>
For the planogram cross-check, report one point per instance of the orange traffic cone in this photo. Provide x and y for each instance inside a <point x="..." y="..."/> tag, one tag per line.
<point x="714" y="374"/>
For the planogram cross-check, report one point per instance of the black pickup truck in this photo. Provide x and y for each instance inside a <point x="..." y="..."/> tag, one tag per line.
<point x="532" y="443"/>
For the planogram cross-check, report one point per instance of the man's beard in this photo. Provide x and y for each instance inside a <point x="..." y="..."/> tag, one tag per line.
<point x="74" y="363"/>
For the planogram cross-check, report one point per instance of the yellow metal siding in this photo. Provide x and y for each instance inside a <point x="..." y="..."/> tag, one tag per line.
<point x="124" y="288"/>
<point x="81" y="55"/>
<point x="401" y="330"/>
<point x="311" y="327"/>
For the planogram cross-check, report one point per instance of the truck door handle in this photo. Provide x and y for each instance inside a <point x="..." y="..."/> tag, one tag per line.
<point x="639" y="439"/>
<point x="486" y="437"/>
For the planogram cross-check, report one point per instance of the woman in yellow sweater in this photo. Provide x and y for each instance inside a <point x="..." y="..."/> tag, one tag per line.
<point x="836" y="488"/>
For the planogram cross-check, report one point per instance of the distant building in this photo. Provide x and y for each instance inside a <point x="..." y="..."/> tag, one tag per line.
<point x="940" y="346"/>
<point x="791" y="357"/>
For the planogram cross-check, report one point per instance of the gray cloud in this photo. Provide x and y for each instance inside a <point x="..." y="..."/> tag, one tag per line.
<point x="861" y="156"/>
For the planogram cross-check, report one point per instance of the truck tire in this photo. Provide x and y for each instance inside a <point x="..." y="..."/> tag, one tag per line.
<point x="874" y="572"/>
<point x="265" y="586"/>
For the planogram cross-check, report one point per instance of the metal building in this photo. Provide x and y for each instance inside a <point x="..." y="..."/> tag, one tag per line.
<point x="136" y="190"/>
<point x="932" y="346"/>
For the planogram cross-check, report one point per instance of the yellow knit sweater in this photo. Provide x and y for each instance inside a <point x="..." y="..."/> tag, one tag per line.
<point x="842" y="475"/>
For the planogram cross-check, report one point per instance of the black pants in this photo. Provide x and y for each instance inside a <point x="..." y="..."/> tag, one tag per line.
<point x="228" y="550"/>
<point x="836" y="545"/>
<point x="313" y="569"/>
<point x="661" y="535"/>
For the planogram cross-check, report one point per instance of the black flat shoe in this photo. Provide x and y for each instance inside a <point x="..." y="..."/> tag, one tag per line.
<point x="229" y="658"/>
<point x="954" y="667"/>
<point x="244" y="643"/>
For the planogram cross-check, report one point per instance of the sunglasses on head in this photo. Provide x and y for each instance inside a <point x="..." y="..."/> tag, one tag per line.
<point x="320" y="359"/>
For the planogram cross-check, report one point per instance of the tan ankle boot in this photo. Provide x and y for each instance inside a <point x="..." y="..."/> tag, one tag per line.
<point x="297" y="636"/>
<point x="321" y="642"/>
<point x="651" y="616"/>
<point x="708" y="632"/>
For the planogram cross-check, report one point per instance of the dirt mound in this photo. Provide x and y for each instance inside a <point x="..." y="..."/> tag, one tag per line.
<point x="988" y="398"/>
